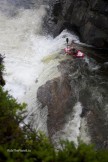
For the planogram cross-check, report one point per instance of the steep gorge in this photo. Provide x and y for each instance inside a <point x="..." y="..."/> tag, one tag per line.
<point x="89" y="18"/>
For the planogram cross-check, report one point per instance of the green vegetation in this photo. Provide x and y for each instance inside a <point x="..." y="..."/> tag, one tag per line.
<point x="2" y="82"/>
<point x="1" y="63"/>
<point x="25" y="145"/>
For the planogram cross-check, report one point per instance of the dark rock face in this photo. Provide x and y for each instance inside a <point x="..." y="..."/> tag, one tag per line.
<point x="79" y="81"/>
<point x="58" y="96"/>
<point x="89" y="18"/>
<point x="99" y="54"/>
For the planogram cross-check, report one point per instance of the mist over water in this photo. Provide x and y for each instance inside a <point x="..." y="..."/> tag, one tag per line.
<point x="24" y="47"/>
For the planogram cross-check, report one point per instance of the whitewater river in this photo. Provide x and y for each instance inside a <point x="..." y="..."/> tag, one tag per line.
<point x="27" y="67"/>
<point x="24" y="48"/>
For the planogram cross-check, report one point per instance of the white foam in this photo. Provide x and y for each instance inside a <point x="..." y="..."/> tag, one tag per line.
<point x="71" y="130"/>
<point x="24" y="48"/>
<point x="84" y="132"/>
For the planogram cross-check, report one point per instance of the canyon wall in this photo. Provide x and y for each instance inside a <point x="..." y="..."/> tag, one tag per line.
<point x="89" y="18"/>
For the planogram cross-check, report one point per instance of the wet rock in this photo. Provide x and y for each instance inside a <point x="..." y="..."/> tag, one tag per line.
<point x="94" y="96"/>
<point x="99" y="54"/>
<point x="88" y="18"/>
<point x="57" y="95"/>
<point x="98" y="129"/>
<point x="78" y="83"/>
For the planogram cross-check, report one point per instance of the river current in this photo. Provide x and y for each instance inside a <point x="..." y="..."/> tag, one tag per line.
<point x="25" y="48"/>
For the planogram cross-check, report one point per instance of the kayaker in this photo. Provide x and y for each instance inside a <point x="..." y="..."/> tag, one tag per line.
<point x="71" y="50"/>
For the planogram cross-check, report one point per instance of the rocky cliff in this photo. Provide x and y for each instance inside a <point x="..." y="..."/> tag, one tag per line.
<point x="89" y="18"/>
<point x="58" y="96"/>
<point x="79" y="81"/>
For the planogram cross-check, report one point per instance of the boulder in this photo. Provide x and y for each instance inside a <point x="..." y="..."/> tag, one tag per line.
<point x="58" y="96"/>
<point x="79" y="82"/>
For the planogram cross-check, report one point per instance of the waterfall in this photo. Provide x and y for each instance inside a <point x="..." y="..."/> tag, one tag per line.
<point x="24" y="47"/>
<point x="31" y="59"/>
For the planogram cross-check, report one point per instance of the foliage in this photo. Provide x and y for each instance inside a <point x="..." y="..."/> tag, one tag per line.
<point x="2" y="82"/>
<point x="25" y="145"/>
<point x="1" y="67"/>
<point x="17" y="143"/>
<point x="8" y="119"/>
<point x="1" y="63"/>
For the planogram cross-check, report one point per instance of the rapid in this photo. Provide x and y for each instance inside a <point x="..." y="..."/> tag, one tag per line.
<point x="26" y="48"/>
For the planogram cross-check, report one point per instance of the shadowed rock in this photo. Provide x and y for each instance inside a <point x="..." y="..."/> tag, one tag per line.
<point x="89" y="18"/>
<point x="59" y="98"/>
<point x="82" y="82"/>
<point x="56" y="94"/>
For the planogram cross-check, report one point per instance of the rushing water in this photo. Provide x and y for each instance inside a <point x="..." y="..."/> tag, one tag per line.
<point x="27" y="51"/>
<point x="24" y="47"/>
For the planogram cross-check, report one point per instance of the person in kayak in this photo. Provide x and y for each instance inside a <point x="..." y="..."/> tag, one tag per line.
<point x="71" y="50"/>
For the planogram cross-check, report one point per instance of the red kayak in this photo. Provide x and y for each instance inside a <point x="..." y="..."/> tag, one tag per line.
<point x="77" y="54"/>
